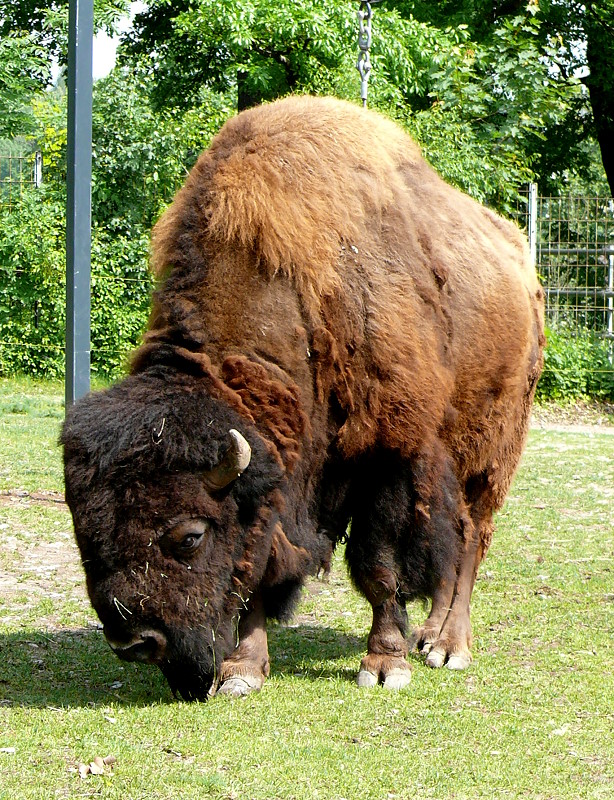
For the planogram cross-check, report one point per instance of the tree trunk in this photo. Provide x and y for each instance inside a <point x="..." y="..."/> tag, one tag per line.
<point x="599" y="30"/>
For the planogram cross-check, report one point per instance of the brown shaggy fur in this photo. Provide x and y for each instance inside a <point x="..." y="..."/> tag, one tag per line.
<point x="354" y="268"/>
<point x="390" y="313"/>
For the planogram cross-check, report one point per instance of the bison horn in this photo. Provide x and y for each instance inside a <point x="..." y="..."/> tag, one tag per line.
<point x="232" y="465"/>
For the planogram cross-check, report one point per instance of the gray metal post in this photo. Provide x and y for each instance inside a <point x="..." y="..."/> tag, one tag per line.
<point x="38" y="169"/>
<point x="78" y="203"/>
<point x="611" y="296"/>
<point x="610" y="290"/>
<point x="532" y="222"/>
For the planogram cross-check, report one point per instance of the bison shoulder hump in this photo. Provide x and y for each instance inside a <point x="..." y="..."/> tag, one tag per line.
<point x="290" y="181"/>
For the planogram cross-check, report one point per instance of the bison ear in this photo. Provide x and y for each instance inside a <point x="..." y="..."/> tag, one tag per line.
<point x="234" y="463"/>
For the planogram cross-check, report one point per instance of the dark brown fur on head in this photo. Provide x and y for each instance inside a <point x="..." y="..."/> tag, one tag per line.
<point x="134" y="457"/>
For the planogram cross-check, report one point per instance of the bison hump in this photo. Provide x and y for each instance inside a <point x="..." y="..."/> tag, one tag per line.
<point x="290" y="182"/>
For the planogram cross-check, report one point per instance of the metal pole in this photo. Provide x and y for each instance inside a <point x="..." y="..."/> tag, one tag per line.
<point x="611" y="292"/>
<point x="611" y="298"/>
<point x="363" y="65"/>
<point x="38" y="169"/>
<point x="78" y="202"/>
<point x="532" y="222"/>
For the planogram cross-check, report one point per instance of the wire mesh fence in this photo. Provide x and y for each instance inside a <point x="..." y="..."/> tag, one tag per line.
<point x="572" y="239"/>
<point x="572" y="243"/>
<point x="17" y="174"/>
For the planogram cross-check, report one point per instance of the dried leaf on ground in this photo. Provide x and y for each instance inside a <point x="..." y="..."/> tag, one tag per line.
<point x="97" y="766"/>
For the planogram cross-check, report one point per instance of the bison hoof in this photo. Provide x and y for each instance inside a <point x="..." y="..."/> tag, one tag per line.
<point x="437" y="658"/>
<point x="397" y="679"/>
<point x="393" y="672"/>
<point x="241" y="685"/>
<point x="459" y="661"/>
<point x="366" y="680"/>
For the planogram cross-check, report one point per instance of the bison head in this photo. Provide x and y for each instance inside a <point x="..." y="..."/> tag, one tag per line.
<point x="172" y="497"/>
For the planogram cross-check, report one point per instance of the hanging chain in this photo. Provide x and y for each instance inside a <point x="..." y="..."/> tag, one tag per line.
<point x="363" y="65"/>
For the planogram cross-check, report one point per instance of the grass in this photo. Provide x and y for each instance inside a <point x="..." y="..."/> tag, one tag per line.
<point x="531" y="718"/>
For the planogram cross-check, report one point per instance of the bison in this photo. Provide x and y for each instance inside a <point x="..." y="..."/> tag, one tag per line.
<point x="341" y="347"/>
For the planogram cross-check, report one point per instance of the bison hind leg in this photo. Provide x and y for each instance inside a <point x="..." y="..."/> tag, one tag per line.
<point x="445" y="637"/>
<point x="400" y="548"/>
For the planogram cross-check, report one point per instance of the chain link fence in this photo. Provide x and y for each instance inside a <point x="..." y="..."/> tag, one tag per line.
<point x="572" y="244"/>
<point x="572" y="241"/>
<point x="18" y="173"/>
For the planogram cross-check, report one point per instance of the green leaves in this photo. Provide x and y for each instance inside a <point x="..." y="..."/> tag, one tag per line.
<point x="140" y="158"/>
<point x="32" y="286"/>
<point x="24" y="69"/>
<point x="576" y="364"/>
<point x="276" y="47"/>
<point x="498" y="95"/>
<point x="482" y="88"/>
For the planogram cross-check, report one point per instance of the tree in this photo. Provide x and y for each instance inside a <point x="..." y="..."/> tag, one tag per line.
<point x="274" y="47"/>
<point x="571" y="56"/>
<point x="599" y="32"/>
<point x="478" y="94"/>
<point x="141" y="156"/>
<point x="23" y="70"/>
<point x="46" y="21"/>
<point x="32" y="34"/>
<point x="577" y="43"/>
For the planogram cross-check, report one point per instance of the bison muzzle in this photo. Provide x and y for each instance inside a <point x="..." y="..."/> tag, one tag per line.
<point x="341" y="346"/>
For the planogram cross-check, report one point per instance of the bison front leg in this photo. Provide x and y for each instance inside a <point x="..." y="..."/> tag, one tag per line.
<point x="387" y="647"/>
<point x="246" y="669"/>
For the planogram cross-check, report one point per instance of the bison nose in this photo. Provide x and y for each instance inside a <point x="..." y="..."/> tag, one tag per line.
<point x="146" y="646"/>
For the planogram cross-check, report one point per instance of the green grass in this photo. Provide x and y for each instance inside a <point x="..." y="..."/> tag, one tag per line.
<point x="531" y="718"/>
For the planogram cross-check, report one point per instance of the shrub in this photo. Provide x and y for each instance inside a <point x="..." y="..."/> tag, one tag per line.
<point x="33" y="295"/>
<point x="576" y="364"/>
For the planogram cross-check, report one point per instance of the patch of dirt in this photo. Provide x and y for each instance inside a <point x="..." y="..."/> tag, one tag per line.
<point x="578" y="417"/>
<point x="48" y="570"/>
<point x="36" y="573"/>
<point x="11" y="496"/>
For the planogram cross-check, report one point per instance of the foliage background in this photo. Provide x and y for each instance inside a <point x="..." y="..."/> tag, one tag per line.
<point x="493" y="92"/>
<point x="576" y="364"/>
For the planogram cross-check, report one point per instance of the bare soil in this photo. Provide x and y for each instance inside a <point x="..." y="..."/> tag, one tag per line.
<point x="577" y="417"/>
<point x="38" y="574"/>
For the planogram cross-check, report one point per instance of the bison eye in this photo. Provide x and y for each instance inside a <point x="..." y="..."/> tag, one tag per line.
<point x="184" y="538"/>
<point x="190" y="542"/>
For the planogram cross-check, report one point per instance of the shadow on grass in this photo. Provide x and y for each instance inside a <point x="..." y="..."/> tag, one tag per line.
<point x="75" y="668"/>
<point x="72" y="668"/>
<point x="312" y="651"/>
